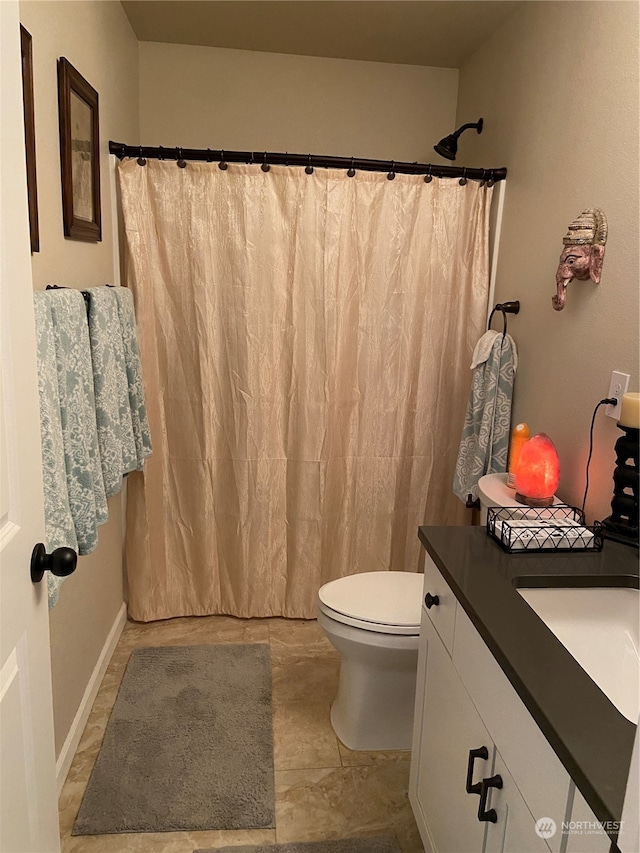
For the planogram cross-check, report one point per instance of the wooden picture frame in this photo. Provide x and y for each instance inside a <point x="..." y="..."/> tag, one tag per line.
<point x="30" y="137"/>
<point x="79" y="155"/>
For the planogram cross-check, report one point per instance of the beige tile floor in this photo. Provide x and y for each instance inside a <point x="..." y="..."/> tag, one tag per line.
<point x="323" y="789"/>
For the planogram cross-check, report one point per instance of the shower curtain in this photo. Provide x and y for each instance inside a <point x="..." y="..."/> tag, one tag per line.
<point x="305" y="341"/>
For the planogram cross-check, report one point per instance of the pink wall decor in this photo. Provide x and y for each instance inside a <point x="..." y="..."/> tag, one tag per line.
<point x="583" y="253"/>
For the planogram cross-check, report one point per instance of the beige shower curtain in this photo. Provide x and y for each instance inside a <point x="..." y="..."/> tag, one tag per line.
<point x="305" y="341"/>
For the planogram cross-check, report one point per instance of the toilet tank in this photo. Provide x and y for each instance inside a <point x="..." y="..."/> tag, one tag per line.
<point x="493" y="491"/>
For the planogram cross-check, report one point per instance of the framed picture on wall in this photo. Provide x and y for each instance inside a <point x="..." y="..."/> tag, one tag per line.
<point x="79" y="155"/>
<point x="30" y="136"/>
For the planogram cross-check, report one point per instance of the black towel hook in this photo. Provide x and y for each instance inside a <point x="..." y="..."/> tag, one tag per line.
<point x="505" y="308"/>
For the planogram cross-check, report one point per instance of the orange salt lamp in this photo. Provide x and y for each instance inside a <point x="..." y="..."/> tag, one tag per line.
<point x="538" y="472"/>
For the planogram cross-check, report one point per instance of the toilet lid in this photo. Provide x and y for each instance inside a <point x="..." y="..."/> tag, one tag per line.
<point x="376" y="599"/>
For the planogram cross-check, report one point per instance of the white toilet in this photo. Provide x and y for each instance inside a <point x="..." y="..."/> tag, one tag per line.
<point x="373" y="620"/>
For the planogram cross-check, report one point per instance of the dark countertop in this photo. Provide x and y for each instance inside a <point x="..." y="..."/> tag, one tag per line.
<point x="590" y="736"/>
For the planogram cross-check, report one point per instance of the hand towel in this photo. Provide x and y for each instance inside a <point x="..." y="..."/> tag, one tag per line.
<point x="58" y="522"/>
<point x="85" y="483"/>
<point x="484" y="445"/>
<point x="134" y="374"/>
<point x="117" y="445"/>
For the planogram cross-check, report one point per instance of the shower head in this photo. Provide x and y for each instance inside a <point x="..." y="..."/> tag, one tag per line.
<point x="448" y="146"/>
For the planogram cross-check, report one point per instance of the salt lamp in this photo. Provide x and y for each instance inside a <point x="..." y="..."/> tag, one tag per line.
<point x="538" y="472"/>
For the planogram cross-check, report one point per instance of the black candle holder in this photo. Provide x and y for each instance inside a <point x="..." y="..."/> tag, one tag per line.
<point x="622" y="524"/>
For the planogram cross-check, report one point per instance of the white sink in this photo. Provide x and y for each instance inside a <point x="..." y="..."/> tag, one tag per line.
<point x="599" y="627"/>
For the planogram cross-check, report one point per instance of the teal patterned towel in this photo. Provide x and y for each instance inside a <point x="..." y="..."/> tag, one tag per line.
<point x="85" y="485"/>
<point x="58" y="522"/>
<point x="113" y="413"/>
<point x="485" y="436"/>
<point x="134" y="374"/>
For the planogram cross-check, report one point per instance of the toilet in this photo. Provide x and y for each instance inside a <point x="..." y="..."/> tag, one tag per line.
<point x="373" y="620"/>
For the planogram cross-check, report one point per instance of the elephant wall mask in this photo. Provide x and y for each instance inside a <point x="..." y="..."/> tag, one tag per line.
<point x="583" y="253"/>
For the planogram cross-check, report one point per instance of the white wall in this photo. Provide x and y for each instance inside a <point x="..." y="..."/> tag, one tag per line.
<point x="557" y="86"/>
<point x="97" y="39"/>
<point x="209" y="97"/>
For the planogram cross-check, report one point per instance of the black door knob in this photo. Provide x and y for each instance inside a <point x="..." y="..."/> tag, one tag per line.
<point x="61" y="562"/>
<point x="430" y="600"/>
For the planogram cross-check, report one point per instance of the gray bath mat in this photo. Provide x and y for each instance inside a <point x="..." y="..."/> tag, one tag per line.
<point x="380" y="844"/>
<point x="188" y="746"/>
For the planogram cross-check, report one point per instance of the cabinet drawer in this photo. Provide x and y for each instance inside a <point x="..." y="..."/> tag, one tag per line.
<point x="536" y="769"/>
<point x="442" y="614"/>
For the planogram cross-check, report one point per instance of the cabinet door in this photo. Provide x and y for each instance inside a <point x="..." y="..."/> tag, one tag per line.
<point x="514" y="830"/>
<point x="450" y="728"/>
<point x="585" y="833"/>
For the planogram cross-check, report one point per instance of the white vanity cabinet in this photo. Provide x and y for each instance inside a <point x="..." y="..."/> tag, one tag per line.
<point x="466" y="709"/>
<point x="451" y="728"/>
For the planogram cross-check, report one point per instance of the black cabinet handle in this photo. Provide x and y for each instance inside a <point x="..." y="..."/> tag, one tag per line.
<point x="481" y="752"/>
<point x="430" y="600"/>
<point x="61" y="562"/>
<point x="485" y="814"/>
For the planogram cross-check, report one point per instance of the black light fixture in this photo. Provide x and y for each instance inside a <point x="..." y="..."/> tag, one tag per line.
<point x="448" y="147"/>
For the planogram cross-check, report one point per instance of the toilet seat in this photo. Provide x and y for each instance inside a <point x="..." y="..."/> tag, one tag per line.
<point x="384" y="602"/>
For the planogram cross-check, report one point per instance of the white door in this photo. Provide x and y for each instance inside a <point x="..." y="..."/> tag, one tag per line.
<point x="28" y="802"/>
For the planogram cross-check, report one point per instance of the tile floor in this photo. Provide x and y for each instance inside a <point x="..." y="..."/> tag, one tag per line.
<point x="323" y="789"/>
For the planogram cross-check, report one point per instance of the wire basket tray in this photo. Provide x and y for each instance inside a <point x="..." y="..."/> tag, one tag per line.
<point x="553" y="528"/>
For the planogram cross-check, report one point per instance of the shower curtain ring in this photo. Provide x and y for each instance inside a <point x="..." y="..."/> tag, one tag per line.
<point x="161" y="154"/>
<point x="463" y="179"/>
<point x="181" y="163"/>
<point x="351" y="171"/>
<point x="483" y="178"/>
<point x="309" y="168"/>
<point x="222" y="164"/>
<point x="141" y="161"/>
<point x="391" y="176"/>
<point x="428" y="177"/>
<point x="122" y="152"/>
<point x="265" y="166"/>
<point x="491" y="180"/>
<point x="209" y="156"/>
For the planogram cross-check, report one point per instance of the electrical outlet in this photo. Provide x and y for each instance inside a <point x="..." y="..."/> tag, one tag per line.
<point x="617" y="387"/>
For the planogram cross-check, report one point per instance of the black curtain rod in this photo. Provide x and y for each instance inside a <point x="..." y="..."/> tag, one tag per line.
<point x="310" y="161"/>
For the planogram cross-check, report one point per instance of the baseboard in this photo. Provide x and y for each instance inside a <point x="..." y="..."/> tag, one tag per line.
<point x="77" y="727"/>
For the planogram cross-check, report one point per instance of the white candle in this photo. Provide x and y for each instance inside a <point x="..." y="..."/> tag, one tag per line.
<point x="630" y="410"/>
